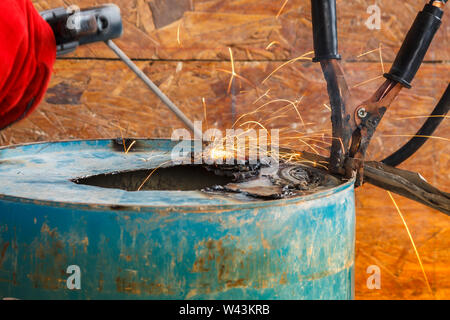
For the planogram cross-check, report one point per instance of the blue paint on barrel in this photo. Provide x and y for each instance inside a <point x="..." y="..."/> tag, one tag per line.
<point x="161" y="244"/>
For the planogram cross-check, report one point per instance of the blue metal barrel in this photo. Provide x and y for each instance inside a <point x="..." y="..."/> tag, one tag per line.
<point x="161" y="244"/>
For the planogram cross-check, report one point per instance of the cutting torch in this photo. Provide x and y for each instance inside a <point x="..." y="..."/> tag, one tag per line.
<point x="73" y="27"/>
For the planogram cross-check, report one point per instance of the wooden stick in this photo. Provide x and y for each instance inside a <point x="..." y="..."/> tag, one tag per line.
<point x="402" y="182"/>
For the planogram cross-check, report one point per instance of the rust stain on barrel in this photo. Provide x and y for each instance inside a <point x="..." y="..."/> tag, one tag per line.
<point x="2" y="255"/>
<point x="226" y="261"/>
<point x="144" y="286"/>
<point x="49" y="247"/>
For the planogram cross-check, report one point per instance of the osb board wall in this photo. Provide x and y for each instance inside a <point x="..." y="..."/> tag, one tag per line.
<point x="183" y="46"/>
<point x="206" y="28"/>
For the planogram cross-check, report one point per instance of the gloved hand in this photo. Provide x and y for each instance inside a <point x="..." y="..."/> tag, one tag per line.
<point x="27" y="55"/>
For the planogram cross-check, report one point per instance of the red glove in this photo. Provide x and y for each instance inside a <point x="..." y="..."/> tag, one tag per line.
<point x="27" y="55"/>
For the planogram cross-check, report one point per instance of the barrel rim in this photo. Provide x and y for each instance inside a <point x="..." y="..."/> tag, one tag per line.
<point x="174" y="208"/>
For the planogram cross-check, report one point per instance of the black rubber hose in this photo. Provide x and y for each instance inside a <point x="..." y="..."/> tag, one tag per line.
<point x="426" y="130"/>
<point x="324" y="23"/>
<point x="415" y="46"/>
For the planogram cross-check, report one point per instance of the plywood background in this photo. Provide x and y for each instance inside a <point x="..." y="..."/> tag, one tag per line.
<point x="183" y="46"/>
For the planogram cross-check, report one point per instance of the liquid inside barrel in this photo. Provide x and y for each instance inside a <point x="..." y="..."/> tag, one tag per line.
<point x="86" y="220"/>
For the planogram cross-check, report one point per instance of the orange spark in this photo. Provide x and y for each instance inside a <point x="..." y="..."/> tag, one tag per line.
<point x="271" y="44"/>
<point x="367" y="81"/>
<point x="302" y="57"/>
<point x="262" y="96"/>
<point x="204" y="112"/>
<point x="412" y="242"/>
<point x="260" y="107"/>
<point x="309" y="145"/>
<point x="293" y="104"/>
<point x="365" y="53"/>
<point x="332" y="138"/>
<point x="281" y="9"/>
<point x="418" y="117"/>
<point x="268" y="120"/>
<point x="178" y="34"/>
<point x="237" y="76"/>
<point x="317" y="140"/>
<point x="414" y="135"/>
<point x="233" y="73"/>
<point x="151" y="173"/>
<point x="255" y="122"/>
<point x="129" y="147"/>
<point x="123" y="139"/>
<point x="380" y="54"/>
<point x="342" y="144"/>
<point x="381" y="59"/>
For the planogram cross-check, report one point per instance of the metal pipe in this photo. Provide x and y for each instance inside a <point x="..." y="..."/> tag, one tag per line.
<point x="197" y="133"/>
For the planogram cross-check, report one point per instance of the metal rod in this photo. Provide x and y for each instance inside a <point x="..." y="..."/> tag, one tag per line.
<point x="197" y="133"/>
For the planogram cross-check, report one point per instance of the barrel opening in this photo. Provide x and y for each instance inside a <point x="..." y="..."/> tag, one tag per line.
<point x="181" y="178"/>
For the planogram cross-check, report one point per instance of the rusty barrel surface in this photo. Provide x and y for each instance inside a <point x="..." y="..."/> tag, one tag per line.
<point x="61" y="240"/>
